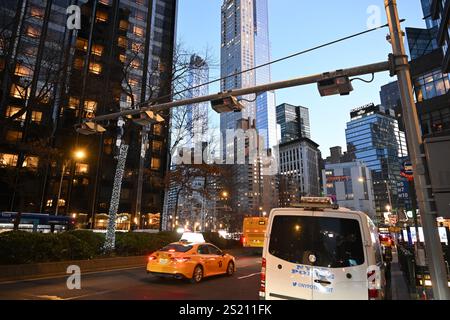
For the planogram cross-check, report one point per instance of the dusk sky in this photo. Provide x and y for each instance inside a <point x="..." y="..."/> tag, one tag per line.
<point x="296" y="25"/>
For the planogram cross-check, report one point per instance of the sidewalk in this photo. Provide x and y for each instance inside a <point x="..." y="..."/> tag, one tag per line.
<point x="397" y="288"/>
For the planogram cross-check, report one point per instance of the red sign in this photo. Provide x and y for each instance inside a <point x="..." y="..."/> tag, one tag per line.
<point x="338" y="178"/>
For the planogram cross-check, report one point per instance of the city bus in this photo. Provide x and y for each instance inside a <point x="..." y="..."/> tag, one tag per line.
<point x="36" y="222"/>
<point x="254" y="230"/>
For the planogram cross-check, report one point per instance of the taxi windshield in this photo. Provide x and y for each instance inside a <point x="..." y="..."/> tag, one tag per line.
<point x="177" y="248"/>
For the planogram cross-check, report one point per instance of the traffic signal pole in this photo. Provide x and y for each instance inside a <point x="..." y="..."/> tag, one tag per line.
<point x="435" y="256"/>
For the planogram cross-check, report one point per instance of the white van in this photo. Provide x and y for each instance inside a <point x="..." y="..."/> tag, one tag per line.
<point x="316" y="251"/>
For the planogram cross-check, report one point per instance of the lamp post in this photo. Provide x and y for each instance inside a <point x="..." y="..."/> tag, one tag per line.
<point x="77" y="155"/>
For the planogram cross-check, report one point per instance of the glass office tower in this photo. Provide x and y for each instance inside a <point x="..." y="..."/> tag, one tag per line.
<point x="372" y="137"/>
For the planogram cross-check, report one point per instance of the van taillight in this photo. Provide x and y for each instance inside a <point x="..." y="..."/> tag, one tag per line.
<point x="373" y="291"/>
<point x="262" y="289"/>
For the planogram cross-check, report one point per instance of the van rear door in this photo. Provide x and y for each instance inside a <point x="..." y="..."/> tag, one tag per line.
<point x="340" y="269"/>
<point x="288" y="249"/>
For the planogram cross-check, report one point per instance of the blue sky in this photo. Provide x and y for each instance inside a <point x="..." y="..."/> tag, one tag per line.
<point x="296" y="25"/>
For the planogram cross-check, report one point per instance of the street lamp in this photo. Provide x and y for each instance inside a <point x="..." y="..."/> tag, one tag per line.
<point x="77" y="155"/>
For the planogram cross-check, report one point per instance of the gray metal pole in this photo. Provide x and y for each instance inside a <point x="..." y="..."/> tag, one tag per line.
<point x="312" y="79"/>
<point x="434" y="251"/>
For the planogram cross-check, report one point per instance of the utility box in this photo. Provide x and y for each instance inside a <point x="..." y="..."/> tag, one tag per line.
<point x="339" y="85"/>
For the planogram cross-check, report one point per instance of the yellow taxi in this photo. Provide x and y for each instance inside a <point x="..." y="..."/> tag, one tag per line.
<point x="193" y="261"/>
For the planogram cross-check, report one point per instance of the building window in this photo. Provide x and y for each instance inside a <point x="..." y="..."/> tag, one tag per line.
<point x="90" y="106"/>
<point x="78" y="63"/>
<point x="122" y="58"/>
<point x="136" y="47"/>
<point x="23" y="71"/>
<point x="430" y="85"/>
<point x="37" y="12"/>
<point x="31" y="162"/>
<point x="101" y="16"/>
<point x="95" y="68"/>
<point x="157" y="146"/>
<point x="122" y="42"/>
<point x="97" y="50"/>
<point x="135" y="64"/>
<point x="32" y="32"/>
<point x="138" y="31"/>
<point x="11" y="111"/>
<point x="8" y="160"/>
<point x="36" y="116"/>
<point x="123" y="25"/>
<point x="157" y="130"/>
<point x="13" y="136"/>
<point x="140" y="15"/>
<point x="81" y="44"/>
<point x="156" y="164"/>
<point x="73" y="103"/>
<point x="19" y="92"/>
<point x="81" y="168"/>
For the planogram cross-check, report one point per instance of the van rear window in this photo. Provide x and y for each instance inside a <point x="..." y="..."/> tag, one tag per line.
<point x="335" y="242"/>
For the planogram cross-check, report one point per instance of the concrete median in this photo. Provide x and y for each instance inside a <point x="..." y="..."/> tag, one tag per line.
<point x="55" y="269"/>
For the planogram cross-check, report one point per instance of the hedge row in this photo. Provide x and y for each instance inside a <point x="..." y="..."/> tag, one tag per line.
<point x="24" y="247"/>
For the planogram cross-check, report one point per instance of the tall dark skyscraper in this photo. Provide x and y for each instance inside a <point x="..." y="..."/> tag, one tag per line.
<point x="294" y="122"/>
<point x="52" y="77"/>
<point x="390" y="95"/>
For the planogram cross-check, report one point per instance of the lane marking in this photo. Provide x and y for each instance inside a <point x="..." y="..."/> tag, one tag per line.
<point x="67" y="275"/>
<point x="249" y="276"/>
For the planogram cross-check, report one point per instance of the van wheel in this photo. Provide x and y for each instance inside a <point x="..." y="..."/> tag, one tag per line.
<point x="230" y="269"/>
<point x="198" y="275"/>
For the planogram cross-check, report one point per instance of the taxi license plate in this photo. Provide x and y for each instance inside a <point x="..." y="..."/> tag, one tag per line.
<point x="163" y="261"/>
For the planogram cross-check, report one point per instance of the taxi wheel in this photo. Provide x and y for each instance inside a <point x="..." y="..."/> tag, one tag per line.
<point x="198" y="274"/>
<point x="230" y="269"/>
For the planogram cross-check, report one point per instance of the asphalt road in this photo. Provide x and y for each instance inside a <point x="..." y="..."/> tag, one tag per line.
<point x="136" y="284"/>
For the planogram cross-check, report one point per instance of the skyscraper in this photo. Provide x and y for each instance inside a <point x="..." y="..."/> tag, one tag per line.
<point x="372" y="137"/>
<point x="294" y="122"/>
<point x="197" y="117"/>
<point x="245" y="44"/>
<point x="121" y="56"/>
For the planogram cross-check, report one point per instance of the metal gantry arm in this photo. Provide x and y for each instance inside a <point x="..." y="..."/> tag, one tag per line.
<point x="311" y="79"/>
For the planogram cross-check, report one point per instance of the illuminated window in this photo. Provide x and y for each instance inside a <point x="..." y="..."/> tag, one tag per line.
<point x="31" y="162"/>
<point x="78" y="63"/>
<point x="123" y="25"/>
<point x="13" y="136"/>
<point x="157" y="146"/>
<point x="82" y="44"/>
<point x="36" y="116"/>
<point x="23" y="71"/>
<point x="122" y="58"/>
<point x="8" y="160"/>
<point x="122" y="42"/>
<point x="101" y="16"/>
<point x="12" y="110"/>
<point x="19" y="92"/>
<point x="135" y="64"/>
<point x="138" y="31"/>
<point x="37" y="12"/>
<point x="136" y="47"/>
<point x="95" y="68"/>
<point x="81" y="168"/>
<point x="90" y="106"/>
<point x="97" y="50"/>
<point x="157" y="130"/>
<point x="50" y="203"/>
<point x="156" y="164"/>
<point x="73" y="103"/>
<point x="105" y="2"/>
<point x="134" y="82"/>
<point x="32" y="32"/>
